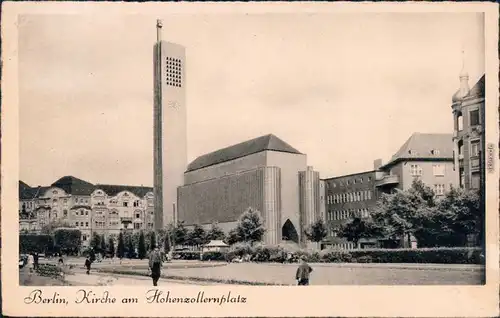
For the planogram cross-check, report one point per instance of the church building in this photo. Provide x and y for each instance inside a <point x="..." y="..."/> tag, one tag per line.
<point x="265" y="174"/>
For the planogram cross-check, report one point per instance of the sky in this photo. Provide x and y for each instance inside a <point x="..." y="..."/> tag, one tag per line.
<point x="343" y="88"/>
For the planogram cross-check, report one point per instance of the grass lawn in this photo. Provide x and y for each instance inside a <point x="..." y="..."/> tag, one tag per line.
<point x="323" y="275"/>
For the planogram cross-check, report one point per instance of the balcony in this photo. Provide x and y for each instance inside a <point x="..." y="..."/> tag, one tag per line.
<point x="387" y="180"/>
<point x="126" y="219"/>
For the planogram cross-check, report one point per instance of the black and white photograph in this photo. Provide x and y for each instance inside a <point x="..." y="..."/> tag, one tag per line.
<point x="183" y="149"/>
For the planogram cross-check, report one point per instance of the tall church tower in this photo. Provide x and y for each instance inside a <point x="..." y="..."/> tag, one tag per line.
<point x="170" y="132"/>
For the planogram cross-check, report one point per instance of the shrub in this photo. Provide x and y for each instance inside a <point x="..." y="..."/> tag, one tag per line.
<point x="187" y="255"/>
<point x="214" y="256"/>
<point x="335" y="256"/>
<point x="271" y="253"/>
<point x="309" y="255"/>
<point x="240" y="250"/>
<point x="42" y="243"/>
<point x="440" y="255"/>
<point x="276" y="253"/>
<point x="49" y="270"/>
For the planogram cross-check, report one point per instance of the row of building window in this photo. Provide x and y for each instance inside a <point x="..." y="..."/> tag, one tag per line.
<point x="351" y="181"/>
<point x="439" y="189"/>
<point x="347" y="214"/>
<point x="438" y="170"/>
<point x="111" y="223"/>
<point x="349" y="197"/>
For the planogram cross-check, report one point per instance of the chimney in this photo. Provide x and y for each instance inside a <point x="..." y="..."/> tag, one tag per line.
<point x="377" y="163"/>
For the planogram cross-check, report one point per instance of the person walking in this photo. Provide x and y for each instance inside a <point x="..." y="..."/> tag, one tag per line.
<point x="31" y="262"/>
<point x="88" y="263"/>
<point x="155" y="262"/>
<point x="35" y="260"/>
<point x="303" y="272"/>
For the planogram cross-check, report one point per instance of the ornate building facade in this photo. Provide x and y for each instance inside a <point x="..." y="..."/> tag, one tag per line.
<point x="102" y="209"/>
<point x="468" y="107"/>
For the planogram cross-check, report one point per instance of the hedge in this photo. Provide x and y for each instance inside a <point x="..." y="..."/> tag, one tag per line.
<point x="29" y="243"/>
<point x="187" y="255"/>
<point x="280" y="254"/>
<point x="214" y="256"/>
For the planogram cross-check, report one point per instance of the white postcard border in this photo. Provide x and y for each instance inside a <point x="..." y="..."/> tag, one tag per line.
<point x="449" y="301"/>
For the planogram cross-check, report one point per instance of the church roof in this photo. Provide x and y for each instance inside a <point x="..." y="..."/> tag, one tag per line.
<point x="477" y="91"/>
<point x="422" y="146"/>
<point x="113" y="190"/>
<point x="267" y="142"/>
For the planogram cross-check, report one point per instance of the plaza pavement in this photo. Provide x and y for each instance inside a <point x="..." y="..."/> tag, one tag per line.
<point x="96" y="279"/>
<point x="284" y="274"/>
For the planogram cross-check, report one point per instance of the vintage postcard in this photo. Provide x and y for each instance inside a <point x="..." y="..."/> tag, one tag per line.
<point x="250" y="159"/>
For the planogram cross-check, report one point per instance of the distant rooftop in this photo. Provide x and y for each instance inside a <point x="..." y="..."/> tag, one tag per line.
<point x="267" y="142"/>
<point x="425" y="146"/>
<point x="76" y="186"/>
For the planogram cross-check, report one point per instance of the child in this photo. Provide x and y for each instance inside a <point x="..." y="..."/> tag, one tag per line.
<point x="302" y="275"/>
<point x="87" y="264"/>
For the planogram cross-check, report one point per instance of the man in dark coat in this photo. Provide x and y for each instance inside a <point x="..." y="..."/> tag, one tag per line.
<point x="155" y="265"/>
<point x="303" y="272"/>
<point x="88" y="263"/>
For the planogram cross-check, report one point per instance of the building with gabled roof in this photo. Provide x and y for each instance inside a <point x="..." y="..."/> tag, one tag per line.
<point x="268" y="142"/>
<point x="263" y="173"/>
<point x="426" y="156"/>
<point x="92" y="208"/>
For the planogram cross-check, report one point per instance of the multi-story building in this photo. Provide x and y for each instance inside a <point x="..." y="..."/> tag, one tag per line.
<point x="264" y="173"/>
<point x="428" y="157"/>
<point x="347" y="197"/>
<point x="102" y="209"/>
<point x="468" y="135"/>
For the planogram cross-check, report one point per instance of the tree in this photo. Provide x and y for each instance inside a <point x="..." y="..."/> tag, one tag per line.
<point x="180" y="234"/>
<point x="152" y="241"/>
<point x="197" y="236"/>
<point x="130" y="247"/>
<point x="316" y="231"/>
<point x="141" y="249"/>
<point x="166" y="244"/>
<point x="404" y="213"/>
<point x="250" y="226"/>
<point x="54" y="225"/>
<point x="103" y="245"/>
<point x="68" y="240"/>
<point x="233" y="237"/>
<point x="120" y="251"/>
<point x="111" y="245"/>
<point x="459" y="216"/>
<point x="216" y="233"/>
<point x="95" y="242"/>
<point x="358" y="228"/>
